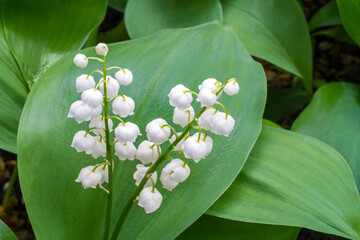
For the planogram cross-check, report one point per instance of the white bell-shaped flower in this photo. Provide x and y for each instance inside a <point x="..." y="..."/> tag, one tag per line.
<point x="125" y="150"/>
<point x="89" y="178"/>
<point x="140" y="174"/>
<point x="92" y="97"/>
<point x="195" y="149"/>
<point x="95" y="112"/>
<point x="99" y="123"/>
<point x="207" y="97"/>
<point x="80" y="60"/>
<point x="183" y="117"/>
<point x="123" y="106"/>
<point x="83" y="143"/>
<point x="180" y="144"/>
<point x="127" y="133"/>
<point x="150" y="200"/>
<point x="80" y="111"/>
<point x="179" y="97"/>
<point x="174" y="173"/>
<point x="211" y="83"/>
<point x="99" y="148"/>
<point x="147" y="152"/>
<point x="104" y="173"/>
<point x="112" y="87"/>
<point x="84" y="82"/>
<point x="101" y="49"/>
<point x="232" y="88"/>
<point x="204" y="119"/>
<point x="157" y="131"/>
<point x="222" y="125"/>
<point x="208" y="140"/>
<point x="124" y="77"/>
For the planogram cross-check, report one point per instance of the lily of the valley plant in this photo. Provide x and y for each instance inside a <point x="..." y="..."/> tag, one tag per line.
<point x="94" y="106"/>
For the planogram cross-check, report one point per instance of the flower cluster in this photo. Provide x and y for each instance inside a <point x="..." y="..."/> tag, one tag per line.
<point x="195" y="147"/>
<point x="95" y="97"/>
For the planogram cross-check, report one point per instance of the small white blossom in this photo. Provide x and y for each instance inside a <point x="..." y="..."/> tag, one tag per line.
<point x="208" y="140"/>
<point x="99" y="148"/>
<point x="124" y="78"/>
<point x="80" y="111"/>
<point x="174" y="173"/>
<point x="157" y="131"/>
<point x="95" y="112"/>
<point x="232" y="88"/>
<point x="123" y="106"/>
<point x="204" y="119"/>
<point x="207" y="97"/>
<point x="140" y="174"/>
<point x="222" y="125"/>
<point x="99" y="122"/>
<point x="80" y="60"/>
<point x="180" y="144"/>
<point x="211" y="83"/>
<point x="92" y="97"/>
<point x="83" y="143"/>
<point x="178" y="97"/>
<point x="101" y="49"/>
<point x="125" y="150"/>
<point x="112" y="87"/>
<point x="89" y="178"/>
<point x="150" y="200"/>
<point x="147" y="152"/>
<point x="195" y="149"/>
<point x="183" y="117"/>
<point x="84" y="82"/>
<point x="127" y="133"/>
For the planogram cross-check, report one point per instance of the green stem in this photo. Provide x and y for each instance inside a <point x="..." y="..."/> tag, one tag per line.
<point x="97" y="70"/>
<point x="13" y="178"/>
<point x="116" y="68"/>
<point x="148" y="174"/>
<point x="109" y="158"/>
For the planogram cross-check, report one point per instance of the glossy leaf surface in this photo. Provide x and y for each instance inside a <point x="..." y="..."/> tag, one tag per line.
<point x="350" y="16"/>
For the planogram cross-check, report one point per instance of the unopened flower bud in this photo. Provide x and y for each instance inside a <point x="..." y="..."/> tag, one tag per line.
<point x="80" y="111"/>
<point x="125" y="150"/>
<point x="123" y="106"/>
<point x="140" y="174"/>
<point x="157" y="131"/>
<point x="179" y="97"/>
<point x="127" y="133"/>
<point x="83" y="143"/>
<point x="112" y="87"/>
<point x="80" y="60"/>
<point x="150" y="200"/>
<point x="183" y="117"/>
<point x="84" y="82"/>
<point x="92" y="97"/>
<point x="207" y="97"/>
<point x="174" y="173"/>
<point x="195" y="149"/>
<point x="147" y="152"/>
<point x="232" y="88"/>
<point x="101" y="49"/>
<point x="222" y="125"/>
<point x="208" y="140"/>
<point x="212" y="84"/>
<point x="124" y="78"/>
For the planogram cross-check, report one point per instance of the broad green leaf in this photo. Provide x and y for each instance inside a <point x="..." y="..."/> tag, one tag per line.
<point x="213" y="228"/>
<point x="295" y="180"/>
<point x="33" y="35"/>
<point x="158" y="63"/>
<point x="270" y="123"/>
<point x="283" y="102"/>
<point x="327" y="16"/>
<point x="350" y="16"/>
<point x="118" y="4"/>
<point x="143" y="17"/>
<point x="333" y="117"/>
<point x="337" y="33"/>
<point x="274" y="30"/>
<point x="6" y="233"/>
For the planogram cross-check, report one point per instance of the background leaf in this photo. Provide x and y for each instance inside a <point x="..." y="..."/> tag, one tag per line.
<point x="213" y="228"/>
<point x="294" y="180"/>
<point x="262" y="28"/>
<point x="144" y="17"/>
<point x="158" y="62"/>
<point x="333" y="116"/>
<point x="6" y="233"/>
<point x="28" y="48"/>
<point x="350" y="16"/>
<point x="327" y="16"/>
<point x="118" y="4"/>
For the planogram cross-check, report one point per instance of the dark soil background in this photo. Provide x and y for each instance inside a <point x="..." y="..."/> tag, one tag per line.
<point x="333" y="61"/>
